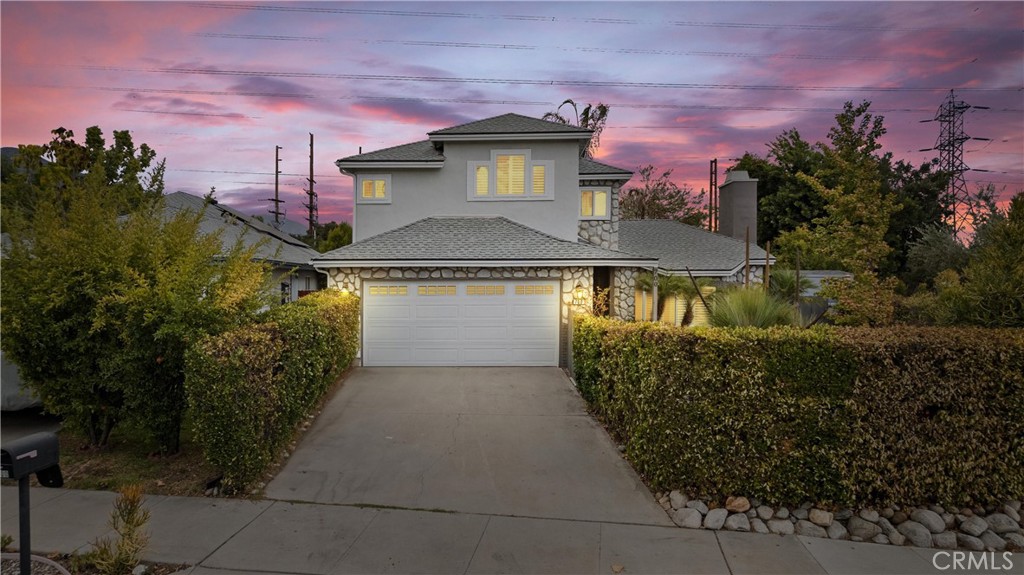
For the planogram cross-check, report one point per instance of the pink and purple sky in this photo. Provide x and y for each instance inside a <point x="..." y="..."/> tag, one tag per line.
<point x="214" y="87"/>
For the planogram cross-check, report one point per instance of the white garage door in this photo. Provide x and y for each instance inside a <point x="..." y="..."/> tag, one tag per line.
<point x="460" y="323"/>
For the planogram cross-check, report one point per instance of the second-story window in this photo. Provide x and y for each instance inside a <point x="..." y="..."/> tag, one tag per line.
<point x="595" y="203"/>
<point x="510" y="175"/>
<point x="373" y="189"/>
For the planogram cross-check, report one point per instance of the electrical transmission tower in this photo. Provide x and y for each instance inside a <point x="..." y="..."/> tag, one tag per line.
<point x="950" y="145"/>
<point x="277" y="201"/>
<point x="311" y="205"/>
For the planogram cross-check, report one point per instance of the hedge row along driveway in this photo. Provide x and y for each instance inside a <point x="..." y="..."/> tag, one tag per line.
<point x="842" y="416"/>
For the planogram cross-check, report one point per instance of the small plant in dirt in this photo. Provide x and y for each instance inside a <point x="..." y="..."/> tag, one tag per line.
<point x="5" y="542"/>
<point x="118" y="556"/>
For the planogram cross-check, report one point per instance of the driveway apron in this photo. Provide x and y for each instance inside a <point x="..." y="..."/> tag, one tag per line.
<point x="497" y="441"/>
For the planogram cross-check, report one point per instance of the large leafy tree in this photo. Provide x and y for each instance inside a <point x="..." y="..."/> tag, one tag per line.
<point x="330" y="236"/>
<point x="102" y="292"/>
<point x="593" y="117"/>
<point x="794" y="174"/>
<point x="657" y="197"/>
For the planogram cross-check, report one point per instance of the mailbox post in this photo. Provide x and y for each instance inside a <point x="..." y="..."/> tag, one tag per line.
<point x="38" y="453"/>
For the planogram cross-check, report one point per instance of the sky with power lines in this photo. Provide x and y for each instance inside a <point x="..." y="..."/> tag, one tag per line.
<point x="214" y="86"/>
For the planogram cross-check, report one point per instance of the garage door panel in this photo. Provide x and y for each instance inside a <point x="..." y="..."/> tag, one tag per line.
<point x="402" y="311"/>
<point x="437" y="333"/>
<point x="434" y="311"/>
<point x="386" y="333"/>
<point x="485" y="311"/>
<point x="467" y="323"/>
<point x="525" y="334"/>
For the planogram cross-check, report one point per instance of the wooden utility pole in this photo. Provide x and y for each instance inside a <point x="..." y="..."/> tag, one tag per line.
<point x="713" y="197"/>
<point x="311" y="204"/>
<point x="746" y="261"/>
<point x="276" y="200"/>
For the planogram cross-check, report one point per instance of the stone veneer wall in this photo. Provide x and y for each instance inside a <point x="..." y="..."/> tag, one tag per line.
<point x="352" y="279"/>
<point x="603" y="233"/>
<point x="623" y="296"/>
<point x="756" y="275"/>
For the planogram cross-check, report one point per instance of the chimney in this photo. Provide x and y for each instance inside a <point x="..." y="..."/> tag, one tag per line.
<point x="737" y="206"/>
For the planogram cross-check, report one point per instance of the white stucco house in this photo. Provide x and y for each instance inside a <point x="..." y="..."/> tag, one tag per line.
<point x="474" y="246"/>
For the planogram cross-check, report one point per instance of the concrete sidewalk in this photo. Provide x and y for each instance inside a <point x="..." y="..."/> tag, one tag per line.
<point x="232" y="536"/>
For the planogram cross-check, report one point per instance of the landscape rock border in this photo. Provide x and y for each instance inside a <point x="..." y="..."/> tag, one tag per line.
<point x="991" y="528"/>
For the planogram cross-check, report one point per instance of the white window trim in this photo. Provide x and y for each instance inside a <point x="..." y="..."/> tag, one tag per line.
<point x="359" y="189"/>
<point x="607" y="199"/>
<point x="492" y="178"/>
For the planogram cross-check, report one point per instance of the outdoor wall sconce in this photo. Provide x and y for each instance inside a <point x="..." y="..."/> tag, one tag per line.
<point x="579" y="295"/>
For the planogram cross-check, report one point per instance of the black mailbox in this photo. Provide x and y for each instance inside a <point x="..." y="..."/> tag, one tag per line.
<point x="38" y="453"/>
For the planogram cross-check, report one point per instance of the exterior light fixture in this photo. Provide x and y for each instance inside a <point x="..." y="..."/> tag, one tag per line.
<point x="579" y="295"/>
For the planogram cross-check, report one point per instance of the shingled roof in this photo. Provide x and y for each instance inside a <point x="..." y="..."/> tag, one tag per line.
<point x="272" y="244"/>
<point x="589" y="167"/>
<point x="511" y="124"/>
<point x="422" y="151"/>
<point x="469" y="238"/>
<point x="678" y="246"/>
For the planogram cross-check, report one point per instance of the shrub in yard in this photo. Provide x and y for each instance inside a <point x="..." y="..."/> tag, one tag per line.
<point x="935" y="414"/>
<point x="586" y="360"/>
<point x="834" y="415"/>
<point x="248" y="388"/>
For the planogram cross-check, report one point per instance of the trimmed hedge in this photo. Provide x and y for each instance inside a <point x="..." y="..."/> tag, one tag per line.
<point x="249" y="388"/>
<point x="842" y="416"/>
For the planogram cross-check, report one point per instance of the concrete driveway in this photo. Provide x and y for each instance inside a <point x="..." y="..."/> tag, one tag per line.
<point x="496" y="441"/>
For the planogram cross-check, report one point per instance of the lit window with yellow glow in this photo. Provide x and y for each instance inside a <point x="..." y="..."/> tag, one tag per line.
<point x="482" y="180"/>
<point x="595" y="203"/>
<point x="538" y="180"/>
<point x="510" y="175"/>
<point x="374" y="189"/>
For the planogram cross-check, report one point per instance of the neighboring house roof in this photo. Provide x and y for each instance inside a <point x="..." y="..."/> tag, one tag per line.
<point x="592" y="169"/>
<point x="511" y="125"/>
<point x="678" y="246"/>
<point x="279" y="247"/>
<point x="417" y="152"/>
<point x="467" y="240"/>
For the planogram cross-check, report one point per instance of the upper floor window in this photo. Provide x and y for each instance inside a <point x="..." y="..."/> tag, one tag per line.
<point x="595" y="203"/>
<point x="373" y="188"/>
<point x="510" y="175"/>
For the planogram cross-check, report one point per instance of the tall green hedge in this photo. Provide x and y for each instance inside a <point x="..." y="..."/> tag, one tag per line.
<point x="845" y="416"/>
<point x="250" y="387"/>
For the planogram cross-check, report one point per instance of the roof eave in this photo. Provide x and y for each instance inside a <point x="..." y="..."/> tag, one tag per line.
<point x="491" y="136"/>
<point x="714" y="272"/>
<point x="609" y="176"/>
<point x="384" y="263"/>
<point x="356" y="164"/>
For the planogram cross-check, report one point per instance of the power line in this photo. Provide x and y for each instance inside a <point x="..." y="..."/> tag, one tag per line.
<point x="653" y="52"/>
<point x="261" y="37"/>
<point x="533" y="82"/>
<point x="588" y="20"/>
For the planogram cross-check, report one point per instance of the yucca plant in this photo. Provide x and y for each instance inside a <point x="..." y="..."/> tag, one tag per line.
<point x="783" y="285"/>
<point x="750" y="307"/>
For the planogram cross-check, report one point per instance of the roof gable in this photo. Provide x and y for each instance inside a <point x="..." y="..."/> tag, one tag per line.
<point x="508" y="125"/>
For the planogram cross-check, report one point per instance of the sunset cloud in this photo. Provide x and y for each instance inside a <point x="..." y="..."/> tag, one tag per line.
<point x="364" y="81"/>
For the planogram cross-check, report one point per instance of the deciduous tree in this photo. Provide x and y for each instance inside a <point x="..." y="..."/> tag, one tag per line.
<point x="659" y="198"/>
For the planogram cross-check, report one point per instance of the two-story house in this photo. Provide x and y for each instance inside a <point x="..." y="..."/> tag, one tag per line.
<point x="475" y="246"/>
<point x="468" y="244"/>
